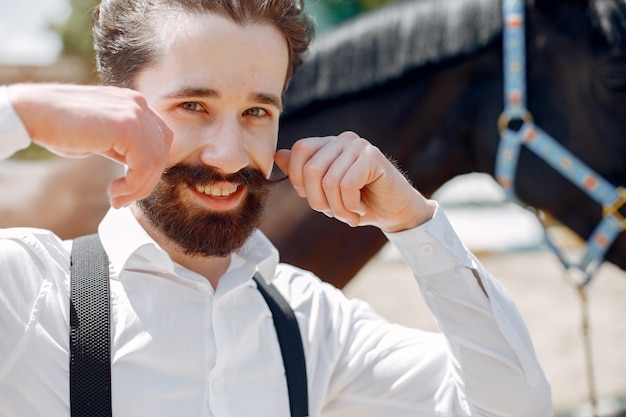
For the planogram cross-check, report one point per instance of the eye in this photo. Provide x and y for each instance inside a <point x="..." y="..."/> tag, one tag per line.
<point x="256" y="112"/>
<point x="615" y="80"/>
<point x="613" y="76"/>
<point x="192" y="106"/>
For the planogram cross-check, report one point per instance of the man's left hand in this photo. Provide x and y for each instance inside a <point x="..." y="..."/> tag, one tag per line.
<point x="348" y="178"/>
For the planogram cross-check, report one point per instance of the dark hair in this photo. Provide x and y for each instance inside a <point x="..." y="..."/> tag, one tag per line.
<point x="125" y="42"/>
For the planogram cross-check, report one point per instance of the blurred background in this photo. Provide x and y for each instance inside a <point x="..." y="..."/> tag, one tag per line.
<point x="49" y="40"/>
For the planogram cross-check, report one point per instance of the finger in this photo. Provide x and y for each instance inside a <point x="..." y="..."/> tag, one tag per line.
<point x="123" y="191"/>
<point x="333" y="185"/>
<point x="143" y="172"/>
<point x="114" y="156"/>
<point x="345" y="178"/>
<point x="164" y="131"/>
<point x="301" y="153"/>
<point x="131" y="187"/>
<point x="117" y="195"/>
<point x="315" y="172"/>
<point x="353" y="186"/>
<point x="281" y="158"/>
<point x="154" y="144"/>
<point x="140" y="179"/>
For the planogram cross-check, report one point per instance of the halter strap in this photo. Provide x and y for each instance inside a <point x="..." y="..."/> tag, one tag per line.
<point x="552" y="152"/>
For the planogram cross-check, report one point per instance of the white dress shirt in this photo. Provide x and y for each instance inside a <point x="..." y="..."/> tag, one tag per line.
<point x="180" y="348"/>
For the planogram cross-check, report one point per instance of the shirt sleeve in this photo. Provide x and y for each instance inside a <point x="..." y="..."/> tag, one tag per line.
<point x="13" y="133"/>
<point x="490" y="349"/>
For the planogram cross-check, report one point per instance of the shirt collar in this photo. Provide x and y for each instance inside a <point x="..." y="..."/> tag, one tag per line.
<point x="123" y="237"/>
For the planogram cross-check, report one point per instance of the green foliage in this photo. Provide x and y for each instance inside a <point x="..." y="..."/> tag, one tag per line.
<point x="351" y="8"/>
<point x="75" y="32"/>
<point x="329" y="13"/>
<point x="33" y="153"/>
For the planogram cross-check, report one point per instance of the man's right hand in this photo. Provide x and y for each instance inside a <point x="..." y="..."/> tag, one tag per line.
<point x="77" y="121"/>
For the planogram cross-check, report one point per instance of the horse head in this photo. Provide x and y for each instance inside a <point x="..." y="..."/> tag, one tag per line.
<point x="423" y="81"/>
<point x="576" y="83"/>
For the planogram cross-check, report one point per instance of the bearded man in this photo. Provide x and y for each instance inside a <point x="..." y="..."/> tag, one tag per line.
<point x="190" y="105"/>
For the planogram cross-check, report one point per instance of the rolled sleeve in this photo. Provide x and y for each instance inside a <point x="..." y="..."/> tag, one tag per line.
<point x="13" y="133"/>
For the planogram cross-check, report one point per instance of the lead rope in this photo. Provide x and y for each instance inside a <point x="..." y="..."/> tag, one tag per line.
<point x="580" y="287"/>
<point x="588" y="351"/>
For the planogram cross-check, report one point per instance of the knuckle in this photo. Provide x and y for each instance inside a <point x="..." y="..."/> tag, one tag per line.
<point x="347" y="185"/>
<point x="301" y="146"/>
<point x="136" y="96"/>
<point x="127" y="122"/>
<point x="354" y="142"/>
<point x="362" y="146"/>
<point x="348" y="134"/>
<point x="371" y="149"/>
<point x="311" y="169"/>
<point x="330" y="183"/>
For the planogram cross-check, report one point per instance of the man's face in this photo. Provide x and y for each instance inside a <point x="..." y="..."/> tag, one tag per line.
<point x="218" y="87"/>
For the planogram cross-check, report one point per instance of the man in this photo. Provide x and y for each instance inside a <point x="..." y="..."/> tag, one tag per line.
<point x="191" y="334"/>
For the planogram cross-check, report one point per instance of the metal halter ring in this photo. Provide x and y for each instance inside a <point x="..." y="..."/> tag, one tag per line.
<point x="613" y="208"/>
<point x="505" y="119"/>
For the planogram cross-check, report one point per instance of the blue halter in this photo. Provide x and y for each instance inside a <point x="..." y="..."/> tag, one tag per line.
<point x="611" y="198"/>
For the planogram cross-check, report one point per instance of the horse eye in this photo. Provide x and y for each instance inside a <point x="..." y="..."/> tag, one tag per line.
<point x="614" y="77"/>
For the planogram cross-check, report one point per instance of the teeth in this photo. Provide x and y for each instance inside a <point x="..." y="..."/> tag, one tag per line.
<point x="216" y="191"/>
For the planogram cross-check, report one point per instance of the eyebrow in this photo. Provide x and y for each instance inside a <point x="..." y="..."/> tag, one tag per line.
<point x="190" y="92"/>
<point x="194" y="92"/>
<point x="269" y="99"/>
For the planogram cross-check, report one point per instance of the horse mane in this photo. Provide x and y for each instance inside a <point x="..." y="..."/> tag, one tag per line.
<point x="609" y="18"/>
<point x="383" y="45"/>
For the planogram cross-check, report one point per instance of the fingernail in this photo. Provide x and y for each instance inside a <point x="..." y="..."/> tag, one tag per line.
<point x="300" y="191"/>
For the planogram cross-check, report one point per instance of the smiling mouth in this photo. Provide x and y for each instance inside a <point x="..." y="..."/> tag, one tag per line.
<point x="214" y="191"/>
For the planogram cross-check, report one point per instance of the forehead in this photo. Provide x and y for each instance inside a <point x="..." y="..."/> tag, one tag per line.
<point x="207" y="50"/>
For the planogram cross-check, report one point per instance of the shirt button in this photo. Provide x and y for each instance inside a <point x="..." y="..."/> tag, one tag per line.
<point x="427" y="249"/>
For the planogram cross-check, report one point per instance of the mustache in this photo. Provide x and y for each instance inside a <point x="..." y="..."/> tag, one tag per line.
<point x="199" y="174"/>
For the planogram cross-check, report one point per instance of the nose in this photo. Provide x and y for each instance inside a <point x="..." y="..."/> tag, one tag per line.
<point x="225" y="148"/>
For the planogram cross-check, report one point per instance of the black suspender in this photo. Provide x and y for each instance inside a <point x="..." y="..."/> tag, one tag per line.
<point x="290" y="342"/>
<point x="90" y="335"/>
<point x="90" y="345"/>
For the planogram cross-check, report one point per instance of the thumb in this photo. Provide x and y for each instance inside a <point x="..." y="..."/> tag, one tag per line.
<point x="281" y="158"/>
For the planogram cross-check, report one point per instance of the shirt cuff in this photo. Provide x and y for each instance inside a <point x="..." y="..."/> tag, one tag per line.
<point x="432" y="247"/>
<point x="13" y="133"/>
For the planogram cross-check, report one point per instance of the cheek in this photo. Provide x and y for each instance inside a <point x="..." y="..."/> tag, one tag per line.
<point x="262" y="155"/>
<point x="177" y="151"/>
<point x="268" y="160"/>
<point x="183" y="141"/>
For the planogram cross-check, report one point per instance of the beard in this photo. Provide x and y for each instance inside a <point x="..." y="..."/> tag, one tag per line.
<point x="199" y="231"/>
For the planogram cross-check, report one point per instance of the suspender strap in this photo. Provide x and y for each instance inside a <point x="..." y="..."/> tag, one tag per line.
<point x="290" y="342"/>
<point x="90" y="343"/>
<point x="90" y="335"/>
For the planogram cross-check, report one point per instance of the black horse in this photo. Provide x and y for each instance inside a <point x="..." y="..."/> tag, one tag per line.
<point x="423" y="81"/>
